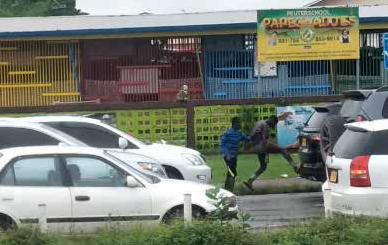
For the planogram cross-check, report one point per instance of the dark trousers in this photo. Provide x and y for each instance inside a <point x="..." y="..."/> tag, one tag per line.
<point x="262" y="154"/>
<point x="231" y="167"/>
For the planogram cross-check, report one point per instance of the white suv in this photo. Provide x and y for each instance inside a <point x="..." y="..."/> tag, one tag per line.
<point x="18" y="133"/>
<point x="179" y="162"/>
<point x="357" y="171"/>
<point x="83" y="188"/>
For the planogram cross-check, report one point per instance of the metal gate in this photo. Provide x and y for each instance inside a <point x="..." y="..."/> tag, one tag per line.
<point x="366" y="73"/>
<point x="36" y="73"/>
<point x="143" y="69"/>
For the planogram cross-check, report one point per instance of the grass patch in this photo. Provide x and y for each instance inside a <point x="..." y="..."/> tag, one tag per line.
<point x="246" y="166"/>
<point x="337" y="230"/>
<point x="269" y="182"/>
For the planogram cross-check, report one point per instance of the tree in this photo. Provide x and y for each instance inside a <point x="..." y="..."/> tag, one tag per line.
<point x="27" y="8"/>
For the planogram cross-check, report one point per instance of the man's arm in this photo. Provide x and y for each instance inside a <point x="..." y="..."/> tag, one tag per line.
<point x="244" y="137"/>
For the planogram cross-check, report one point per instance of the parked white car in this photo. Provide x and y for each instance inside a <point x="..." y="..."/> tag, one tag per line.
<point x="179" y="162"/>
<point x="357" y="171"/>
<point x="16" y="133"/>
<point x="83" y="188"/>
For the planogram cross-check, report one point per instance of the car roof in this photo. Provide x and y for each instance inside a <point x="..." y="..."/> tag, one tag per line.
<point x="359" y="94"/>
<point x="59" y="119"/>
<point x="10" y="122"/>
<point x="371" y="126"/>
<point x="40" y="150"/>
<point x="328" y="107"/>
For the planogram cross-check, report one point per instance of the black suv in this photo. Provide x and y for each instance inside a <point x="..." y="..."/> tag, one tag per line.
<point x="333" y="126"/>
<point x="309" y="152"/>
<point x="325" y="126"/>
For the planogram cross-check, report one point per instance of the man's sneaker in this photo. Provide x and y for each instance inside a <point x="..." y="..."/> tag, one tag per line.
<point x="248" y="185"/>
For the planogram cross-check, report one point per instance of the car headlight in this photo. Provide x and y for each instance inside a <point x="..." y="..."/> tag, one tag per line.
<point x="231" y="202"/>
<point x="154" y="168"/>
<point x="194" y="159"/>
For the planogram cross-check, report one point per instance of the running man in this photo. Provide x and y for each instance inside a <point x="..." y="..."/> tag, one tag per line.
<point x="260" y="136"/>
<point x="229" y="147"/>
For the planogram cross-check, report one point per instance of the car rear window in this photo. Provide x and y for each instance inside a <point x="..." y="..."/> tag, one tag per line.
<point x="351" y="144"/>
<point x="316" y="119"/>
<point x="357" y="143"/>
<point x="351" y="108"/>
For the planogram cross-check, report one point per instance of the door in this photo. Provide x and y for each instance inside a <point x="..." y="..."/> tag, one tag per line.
<point x="100" y="195"/>
<point x="34" y="185"/>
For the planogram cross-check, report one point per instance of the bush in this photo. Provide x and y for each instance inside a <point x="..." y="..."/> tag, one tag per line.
<point x="338" y="230"/>
<point x="26" y="237"/>
<point x="199" y="233"/>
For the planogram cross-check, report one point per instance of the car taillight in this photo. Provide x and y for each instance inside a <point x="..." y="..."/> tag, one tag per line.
<point x="360" y="118"/>
<point x="359" y="173"/>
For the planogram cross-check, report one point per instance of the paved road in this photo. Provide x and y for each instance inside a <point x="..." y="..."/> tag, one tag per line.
<point x="282" y="209"/>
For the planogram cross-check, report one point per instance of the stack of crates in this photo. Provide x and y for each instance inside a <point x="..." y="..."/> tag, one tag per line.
<point x="202" y="128"/>
<point x="178" y="134"/>
<point x="155" y="125"/>
<point x="139" y="123"/>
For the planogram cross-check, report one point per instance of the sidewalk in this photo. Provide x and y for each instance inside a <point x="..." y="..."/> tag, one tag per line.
<point x="280" y="185"/>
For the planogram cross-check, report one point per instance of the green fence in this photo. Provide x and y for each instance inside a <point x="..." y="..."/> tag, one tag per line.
<point x="154" y="125"/>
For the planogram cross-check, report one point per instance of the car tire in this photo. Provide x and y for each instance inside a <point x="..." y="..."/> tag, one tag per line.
<point x="177" y="213"/>
<point x="332" y="128"/>
<point x="6" y="223"/>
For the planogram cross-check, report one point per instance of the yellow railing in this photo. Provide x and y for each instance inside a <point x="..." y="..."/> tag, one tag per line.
<point x="38" y="73"/>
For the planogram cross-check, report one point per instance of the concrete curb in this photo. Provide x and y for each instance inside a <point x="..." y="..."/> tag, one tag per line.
<point x="281" y="185"/>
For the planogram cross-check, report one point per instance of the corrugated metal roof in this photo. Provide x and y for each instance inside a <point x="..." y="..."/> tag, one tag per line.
<point x="73" y="25"/>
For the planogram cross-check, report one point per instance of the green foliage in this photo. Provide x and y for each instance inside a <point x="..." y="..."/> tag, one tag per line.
<point x="25" y="237"/>
<point x="221" y="203"/>
<point x="341" y="230"/>
<point x="27" y="8"/>
<point x="337" y="230"/>
<point x="222" y="213"/>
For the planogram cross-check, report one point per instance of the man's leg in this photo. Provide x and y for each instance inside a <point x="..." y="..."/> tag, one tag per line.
<point x="231" y="166"/>
<point x="274" y="148"/>
<point x="262" y="156"/>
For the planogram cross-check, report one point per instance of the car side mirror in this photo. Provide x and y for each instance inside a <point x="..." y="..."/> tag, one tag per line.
<point x="123" y="143"/>
<point x="132" y="182"/>
<point x="62" y="144"/>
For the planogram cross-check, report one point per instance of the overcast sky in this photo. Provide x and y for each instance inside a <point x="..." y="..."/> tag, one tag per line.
<point x="129" y="7"/>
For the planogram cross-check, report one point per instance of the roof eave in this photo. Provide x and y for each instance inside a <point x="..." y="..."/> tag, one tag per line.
<point x="129" y="30"/>
<point x="231" y="26"/>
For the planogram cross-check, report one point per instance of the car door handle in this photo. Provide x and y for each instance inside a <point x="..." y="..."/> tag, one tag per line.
<point x="82" y="198"/>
